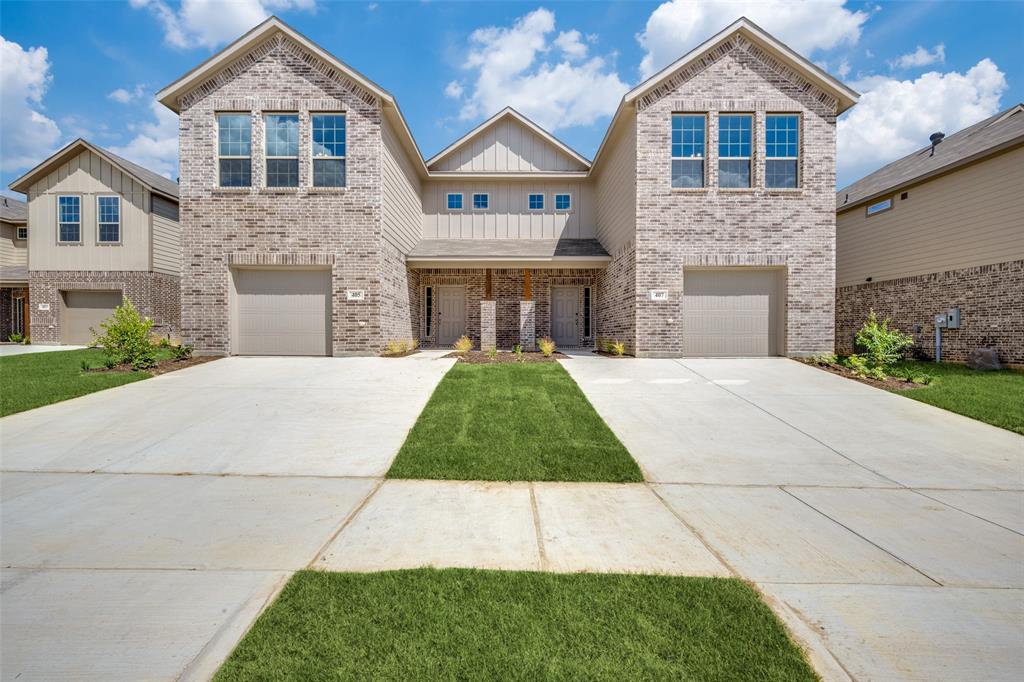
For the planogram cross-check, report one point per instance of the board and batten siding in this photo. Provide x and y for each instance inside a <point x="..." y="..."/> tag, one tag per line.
<point x="615" y="187"/>
<point x="88" y="175"/>
<point x="166" y="237"/>
<point x="400" y="188"/>
<point x="507" y="146"/>
<point x="13" y="251"/>
<point x="972" y="216"/>
<point x="508" y="216"/>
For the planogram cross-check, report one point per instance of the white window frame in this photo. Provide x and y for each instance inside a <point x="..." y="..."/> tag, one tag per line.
<point x="886" y="205"/>
<point x="554" y="204"/>
<point x="120" y="220"/>
<point x="487" y="200"/>
<point x="267" y="158"/>
<point x="313" y="158"/>
<point x="543" y="201"/>
<point x="228" y="156"/>
<point x="462" y="201"/>
<point x="704" y="153"/>
<point x="80" y="235"/>
<point x="21" y="234"/>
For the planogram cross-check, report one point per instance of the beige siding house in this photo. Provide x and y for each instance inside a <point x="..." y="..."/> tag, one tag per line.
<point x="311" y="223"/>
<point x="14" y="303"/>
<point x="102" y="229"/>
<point x="941" y="228"/>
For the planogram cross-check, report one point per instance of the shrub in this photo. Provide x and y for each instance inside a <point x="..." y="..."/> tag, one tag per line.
<point x="464" y="344"/>
<point x="547" y="347"/>
<point x="492" y="353"/>
<point x="863" y="368"/>
<point x="397" y="347"/>
<point x="609" y="346"/>
<point x="125" y="337"/>
<point x="517" y="350"/>
<point x="883" y="345"/>
<point x="109" y="362"/>
<point x="16" y="338"/>
<point x="182" y="352"/>
<point x="618" y="348"/>
<point x="825" y="359"/>
<point x="85" y="365"/>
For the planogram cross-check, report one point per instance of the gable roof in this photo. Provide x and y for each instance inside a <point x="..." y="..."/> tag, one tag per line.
<point x="170" y="95"/>
<point x="152" y="180"/>
<point x="13" y="210"/>
<point x="509" y="113"/>
<point x="985" y="138"/>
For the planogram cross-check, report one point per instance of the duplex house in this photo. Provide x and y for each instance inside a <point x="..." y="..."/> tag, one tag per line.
<point x="14" y="307"/>
<point x="100" y="228"/>
<point x="312" y="224"/>
<point x="940" y="228"/>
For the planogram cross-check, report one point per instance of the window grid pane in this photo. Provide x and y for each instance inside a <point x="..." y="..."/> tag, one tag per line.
<point x="234" y="134"/>
<point x="235" y="172"/>
<point x="563" y="202"/>
<point x="780" y="173"/>
<point x="109" y="219"/>
<point x="688" y="141"/>
<point x="22" y="233"/>
<point x="481" y="201"/>
<point x="688" y="173"/>
<point x="536" y="202"/>
<point x="328" y="135"/>
<point x="782" y="136"/>
<point x="282" y="132"/>
<point x="454" y="202"/>
<point x="69" y="217"/>
<point x="328" y="172"/>
<point x="282" y="172"/>
<point x="734" y="136"/>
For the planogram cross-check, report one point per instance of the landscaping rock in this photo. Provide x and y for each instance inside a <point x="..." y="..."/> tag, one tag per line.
<point x="984" y="359"/>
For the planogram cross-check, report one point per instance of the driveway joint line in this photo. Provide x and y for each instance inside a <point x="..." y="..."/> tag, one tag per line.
<point x="542" y="554"/>
<point x="964" y="511"/>
<point x="345" y="523"/>
<point x="180" y="474"/>
<point x="696" y="533"/>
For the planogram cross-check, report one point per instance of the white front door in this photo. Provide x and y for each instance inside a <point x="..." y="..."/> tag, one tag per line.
<point x="565" y="308"/>
<point x="451" y="314"/>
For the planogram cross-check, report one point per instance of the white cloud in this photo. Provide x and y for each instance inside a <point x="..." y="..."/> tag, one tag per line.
<point x="155" y="144"/>
<point x="549" y="80"/>
<point x="844" y="68"/>
<point x="27" y="136"/>
<point x="124" y="96"/>
<point x="676" y="27"/>
<point x="453" y="90"/>
<point x="895" y="117"/>
<point x="210" y="23"/>
<point x="920" y="57"/>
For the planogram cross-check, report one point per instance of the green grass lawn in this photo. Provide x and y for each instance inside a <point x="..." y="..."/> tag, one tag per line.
<point x="429" y="624"/>
<point x="996" y="398"/>
<point x="512" y="422"/>
<point x="37" y="379"/>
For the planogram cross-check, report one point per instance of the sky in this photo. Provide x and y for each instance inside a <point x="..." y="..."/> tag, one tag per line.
<point x="90" y="69"/>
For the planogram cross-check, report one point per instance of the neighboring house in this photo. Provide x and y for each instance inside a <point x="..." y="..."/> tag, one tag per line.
<point x="14" y="306"/>
<point x="941" y="228"/>
<point x="101" y="229"/>
<point x="312" y="225"/>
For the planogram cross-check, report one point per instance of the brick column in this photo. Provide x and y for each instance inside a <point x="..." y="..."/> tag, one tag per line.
<point x="527" y="324"/>
<point x="488" y="325"/>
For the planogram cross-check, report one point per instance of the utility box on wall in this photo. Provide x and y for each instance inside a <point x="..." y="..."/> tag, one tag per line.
<point x="952" y="318"/>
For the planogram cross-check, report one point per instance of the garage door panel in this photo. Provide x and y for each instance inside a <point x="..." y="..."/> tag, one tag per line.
<point x="282" y="312"/>
<point x="84" y="310"/>
<point x="731" y="312"/>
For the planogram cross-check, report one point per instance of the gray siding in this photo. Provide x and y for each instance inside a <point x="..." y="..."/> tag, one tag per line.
<point x="507" y="146"/>
<point x="13" y="251"/>
<point x="616" y="188"/>
<point x="400" y="188"/>
<point x="166" y="246"/>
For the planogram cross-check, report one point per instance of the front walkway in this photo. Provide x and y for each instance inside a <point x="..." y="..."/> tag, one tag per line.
<point x="23" y="349"/>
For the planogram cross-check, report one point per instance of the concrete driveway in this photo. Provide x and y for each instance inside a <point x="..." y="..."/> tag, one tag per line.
<point x="886" y="532"/>
<point x="20" y="349"/>
<point x="144" y="527"/>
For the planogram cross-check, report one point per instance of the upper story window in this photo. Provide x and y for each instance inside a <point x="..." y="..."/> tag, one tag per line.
<point x="879" y="206"/>
<point x="234" y="149"/>
<point x="536" y="202"/>
<point x="282" y="148"/>
<point x="69" y="219"/>
<point x="563" y="202"/>
<point x="328" y="150"/>
<point x="782" y="150"/>
<point x="734" y="144"/>
<point x="22" y="233"/>
<point x="454" y="201"/>
<point x="108" y="219"/>
<point x="688" y="145"/>
<point x="481" y="202"/>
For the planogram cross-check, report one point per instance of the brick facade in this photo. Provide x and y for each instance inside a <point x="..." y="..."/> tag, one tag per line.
<point x="616" y="303"/>
<point x="990" y="298"/>
<point x="794" y="229"/>
<point x="155" y="295"/>
<point x="7" y="298"/>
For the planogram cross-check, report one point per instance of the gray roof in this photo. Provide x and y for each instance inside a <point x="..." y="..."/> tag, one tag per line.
<point x="151" y="178"/>
<point x="14" y="273"/>
<point x="1003" y="130"/>
<point x="13" y="210"/>
<point x="508" y="248"/>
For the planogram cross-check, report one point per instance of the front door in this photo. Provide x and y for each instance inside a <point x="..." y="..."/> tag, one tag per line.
<point x="565" y="308"/>
<point x="451" y="315"/>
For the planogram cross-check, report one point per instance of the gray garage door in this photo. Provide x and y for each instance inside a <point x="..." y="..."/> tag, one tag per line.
<point x="82" y="310"/>
<point x="732" y="313"/>
<point x="282" y="312"/>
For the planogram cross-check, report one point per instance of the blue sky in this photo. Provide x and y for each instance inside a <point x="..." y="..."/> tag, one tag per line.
<point x="90" y="69"/>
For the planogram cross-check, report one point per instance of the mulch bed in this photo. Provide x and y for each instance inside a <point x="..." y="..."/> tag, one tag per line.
<point x="400" y="355"/>
<point x="478" y="357"/>
<point x="163" y="366"/>
<point x="890" y="383"/>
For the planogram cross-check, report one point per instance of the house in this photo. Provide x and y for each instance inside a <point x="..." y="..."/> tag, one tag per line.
<point x="101" y="229"/>
<point x="312" y="224"/>
<point x="940" y="228"/>
<point x="14" y="307"/>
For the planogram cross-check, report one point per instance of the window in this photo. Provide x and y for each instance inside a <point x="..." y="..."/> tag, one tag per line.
<point x="481" y="201"/>
<point x="536" y="202"/>
<point x="879" y="207"/>
<point x="563" y="202"/>
<point x="782" y="150"/>
<point x="69" y="219"/>
<point x="428" y="309"/>
<point x="234" y="149"/>
<point x="688" y="144"/>
<point x="329" y="150"/>
<point x="22" y="233"/>
<point x="18" y="315"/>
<point x="586" y="312"/>
<point x="282" y="147"/>
<point x="108" y="219"/>
<point x="455" y="202"/>
<point x="734" y="131"/>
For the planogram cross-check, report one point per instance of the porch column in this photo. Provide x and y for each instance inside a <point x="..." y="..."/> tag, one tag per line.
<point x="527" y="315"/>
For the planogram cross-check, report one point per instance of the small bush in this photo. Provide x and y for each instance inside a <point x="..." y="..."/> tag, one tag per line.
<point x="547" y="347"/>
<point x="464" y="344"/>
<point x="609" y="346"/>
<point x="164" y="342"/>
<point x="618" y="348"/>
<point x="825" y="359"/>
<point x="109" y="362"/>
<point x="182" y="352"/>
<point x="862" y="367"/>
<point x="883" y="346"/>
<point x="397" y="347"/>
<point x="492" y="353"/>
<point x="125" y="337"/>
<point x="16" y="338"/>
<point x="517" y="350"/>
<point x="85" y="365"/>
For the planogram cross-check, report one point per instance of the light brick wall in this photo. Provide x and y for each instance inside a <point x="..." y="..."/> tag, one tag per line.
<point x="616" y="300"/>
<point x="756" y="227"/>
<point x="990" y="298"/>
